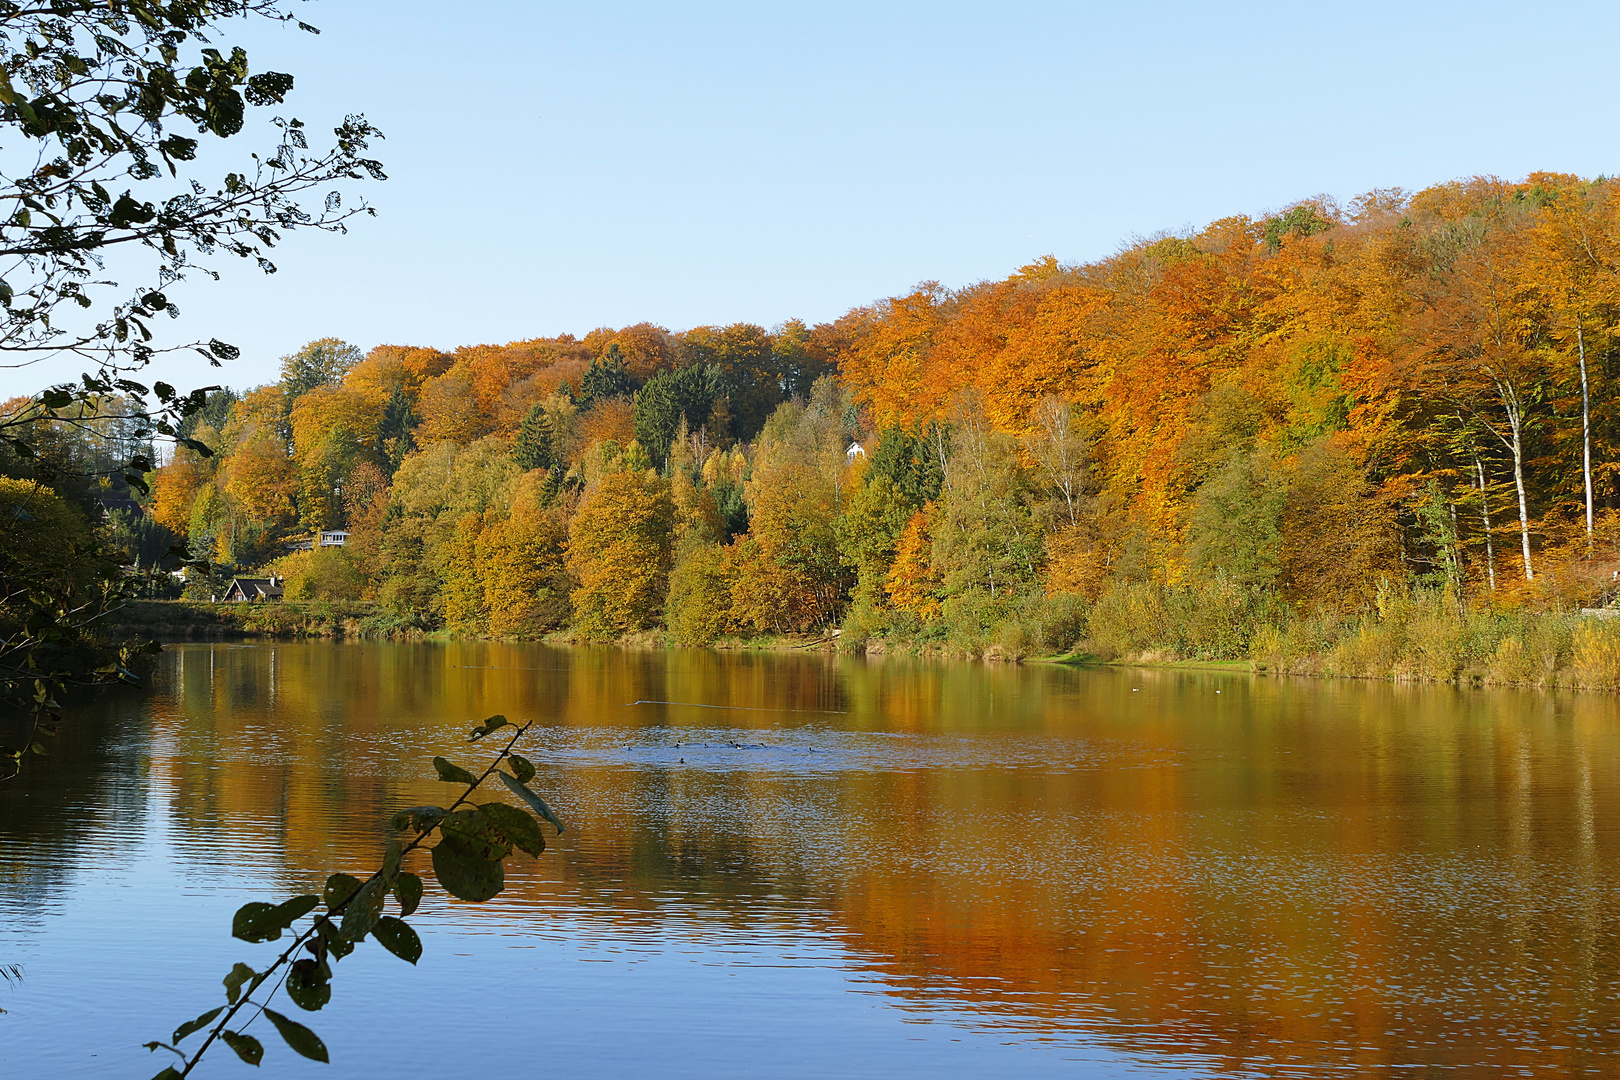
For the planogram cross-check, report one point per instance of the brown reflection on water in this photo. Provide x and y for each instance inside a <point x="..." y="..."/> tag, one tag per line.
<point x="1281" y="875"/>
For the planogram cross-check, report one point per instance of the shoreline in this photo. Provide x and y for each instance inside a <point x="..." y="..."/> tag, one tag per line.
<point x="180" y="621"/>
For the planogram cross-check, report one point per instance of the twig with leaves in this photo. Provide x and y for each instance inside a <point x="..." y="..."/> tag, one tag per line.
<point x="468" y="861"/>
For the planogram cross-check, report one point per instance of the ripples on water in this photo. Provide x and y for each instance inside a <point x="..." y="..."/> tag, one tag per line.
<point x="848" y="869"/>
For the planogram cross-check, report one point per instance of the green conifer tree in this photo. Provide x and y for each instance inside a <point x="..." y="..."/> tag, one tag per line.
<point x="535" y="441"/>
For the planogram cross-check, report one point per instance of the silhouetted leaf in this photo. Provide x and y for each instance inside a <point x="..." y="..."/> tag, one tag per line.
<point x="521" y="767"/>
<point x="391" y="858"/>
<point x="521" y="829"/>
<point x="299" y="1037"/>
<point x="362" y="913"/>
<point x="478" y="831"/>
<point x="258" y="921"/>
<point x="408" y="891"/>
<point x="420" y="818"/>
<point x="464" y="872"/>
<point x="239" y="976"/>
<point x="339" y="889"/>
<point x="247" y="1047"/>
<point x="534" y="801"/>
<point x="309" y="984"/>
<point x="493" y="723"/>
<point x="335" y="943"/>
<point x="198" y="1024"/>
<point x="453" y="774"/>
<point x="397" y="937"/>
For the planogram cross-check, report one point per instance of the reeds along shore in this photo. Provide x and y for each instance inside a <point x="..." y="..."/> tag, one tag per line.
<point x="1423" y="636"/>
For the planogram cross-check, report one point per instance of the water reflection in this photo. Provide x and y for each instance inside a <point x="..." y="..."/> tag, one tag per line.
<point x="1192" y="870"/>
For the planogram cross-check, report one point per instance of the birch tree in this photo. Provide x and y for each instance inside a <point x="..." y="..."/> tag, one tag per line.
<point x="1473" y="342"/>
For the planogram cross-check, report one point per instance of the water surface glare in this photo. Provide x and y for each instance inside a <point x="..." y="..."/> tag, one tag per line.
<point x="795" y="865"/>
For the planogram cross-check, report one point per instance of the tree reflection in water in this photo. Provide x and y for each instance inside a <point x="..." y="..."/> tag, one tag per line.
<point x="1286" y="876"/>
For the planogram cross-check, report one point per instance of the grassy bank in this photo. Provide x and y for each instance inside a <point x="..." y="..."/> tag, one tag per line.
<point x="1417" y="636"/>
<point x="1423" y="636"/>
<point x="1426" y="640"/>
<point x="192" y="620"/>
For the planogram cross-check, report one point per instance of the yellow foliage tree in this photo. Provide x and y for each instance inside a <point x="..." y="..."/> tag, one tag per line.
<point x="174" y="490"/>
<point x="913" y="583"/>
<point x="619" y="551"/>
<point x="1338" y="537"/>
<point x="525" y="580"/>
<point x="450" y="410"/>
<point x="263" y="481"/>
<point x="700" y="595"/>
<point x="801" y="581"/>
<point x="766" y="596"/>
<point x="463" y="590"/>
<point x="43" y="538"/>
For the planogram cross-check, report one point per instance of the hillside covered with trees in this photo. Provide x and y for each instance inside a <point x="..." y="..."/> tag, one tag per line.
<point x="1275" y="434"/>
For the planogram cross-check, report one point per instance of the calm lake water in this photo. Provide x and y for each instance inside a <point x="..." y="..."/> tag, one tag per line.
<point x="795" y="865"/>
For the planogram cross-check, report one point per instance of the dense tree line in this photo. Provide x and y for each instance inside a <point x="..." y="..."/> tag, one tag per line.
<point x="1309" y="412"/>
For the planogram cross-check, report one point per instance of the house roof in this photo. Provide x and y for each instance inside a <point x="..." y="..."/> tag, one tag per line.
<point x="255" y="586"/>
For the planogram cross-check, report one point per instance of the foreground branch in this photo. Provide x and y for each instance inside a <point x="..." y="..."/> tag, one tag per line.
<point x="474" y="840"/>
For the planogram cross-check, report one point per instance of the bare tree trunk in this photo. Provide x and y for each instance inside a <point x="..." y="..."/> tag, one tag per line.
<point x="942" y="450"/>
<point x="1514" y="441"/>
<point x="1454" y="555"/>
<point x="1485" y="512"/>
<point x="1586" y="436"/>
<point x="1516" y="422"/>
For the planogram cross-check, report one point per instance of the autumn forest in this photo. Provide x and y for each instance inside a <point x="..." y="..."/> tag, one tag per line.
<point x="1324" y="439"/>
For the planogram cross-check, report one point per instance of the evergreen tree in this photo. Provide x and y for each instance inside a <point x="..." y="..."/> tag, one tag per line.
<point x="552" y="487"/>
<point x="668" y="398"/>
<point x="728" y="498"/>
<point x="215" y="412"/>
<point x="607" y="377"/>
<point x="750" y="374"/>
<point x="395" y="431"/>
<point x="911" y="463"/>
<point x="534" y="448"/>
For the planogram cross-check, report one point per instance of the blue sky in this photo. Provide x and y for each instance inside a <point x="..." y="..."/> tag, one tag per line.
<point x="556" y="167"/>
